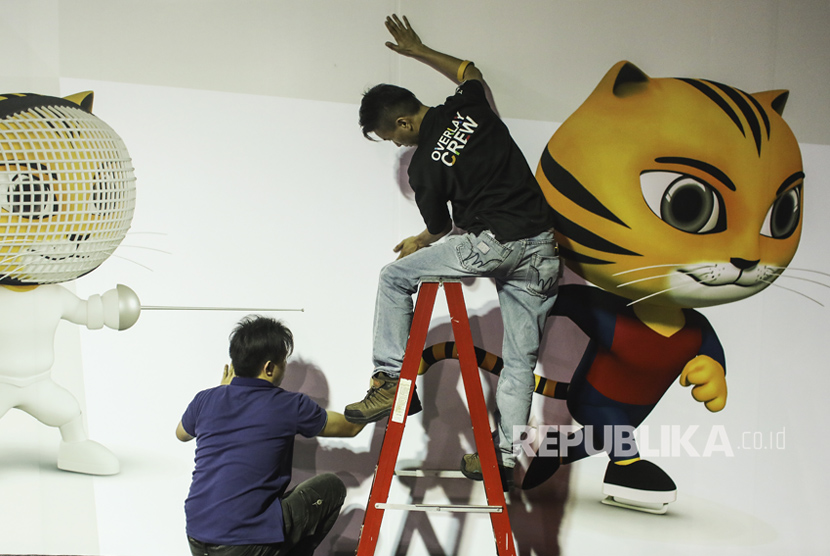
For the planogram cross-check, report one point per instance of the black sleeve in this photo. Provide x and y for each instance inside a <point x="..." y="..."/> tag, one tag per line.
<point x="431" y="202"/>
<point x="469" y="92"/>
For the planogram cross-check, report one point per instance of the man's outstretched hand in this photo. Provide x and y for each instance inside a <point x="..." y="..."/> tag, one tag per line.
<point x="407" y="42"/>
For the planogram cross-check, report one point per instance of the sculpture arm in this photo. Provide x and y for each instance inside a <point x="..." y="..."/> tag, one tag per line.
<point x="118" y="308"/>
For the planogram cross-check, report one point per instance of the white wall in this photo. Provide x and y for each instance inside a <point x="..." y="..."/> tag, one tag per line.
<point x="542" y="56"/>
<point x="256" y="189"/>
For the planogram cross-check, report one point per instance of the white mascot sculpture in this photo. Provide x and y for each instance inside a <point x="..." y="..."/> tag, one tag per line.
<point x="67" y="196"/>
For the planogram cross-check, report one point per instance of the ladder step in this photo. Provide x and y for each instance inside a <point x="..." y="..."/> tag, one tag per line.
<point x="439" y="473"/>
<point x="455" y="508"/>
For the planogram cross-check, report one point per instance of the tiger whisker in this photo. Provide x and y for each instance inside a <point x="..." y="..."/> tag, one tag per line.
<point x="822" y="284"/>
<point x="147" y="248"/>
<point x="702" y="265"/>
<point x="645" y="279"/>
<point x="794" y="291"/>
<point x="691" y="284"/>
<point x="801" y="270"/>
<point x="132" y="261"/>
<point x="9" y="258"/>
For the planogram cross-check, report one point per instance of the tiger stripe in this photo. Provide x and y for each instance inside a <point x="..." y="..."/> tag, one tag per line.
<point x="491" y="363"/>
<point x="744" y="102"/>
<point x="570" y="187"/>
<point x="589" y="239"/>
<point x="739" y="98"/>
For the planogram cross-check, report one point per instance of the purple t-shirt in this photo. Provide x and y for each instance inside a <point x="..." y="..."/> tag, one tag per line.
<point x="244" y="450"/>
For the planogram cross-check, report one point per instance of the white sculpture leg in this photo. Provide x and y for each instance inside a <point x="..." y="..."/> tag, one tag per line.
<point x="53" y="405"/>
<point x="81" y="455"/>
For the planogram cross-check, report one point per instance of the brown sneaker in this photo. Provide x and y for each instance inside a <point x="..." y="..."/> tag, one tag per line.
<point x="378" y="401"/>
<point x="471" y="468"/>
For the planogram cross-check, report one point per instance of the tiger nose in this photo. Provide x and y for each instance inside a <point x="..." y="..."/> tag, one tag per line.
<point x="744" y="264"/>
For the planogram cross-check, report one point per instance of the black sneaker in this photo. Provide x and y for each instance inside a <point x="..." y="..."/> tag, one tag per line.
<point x="641" y="481"/>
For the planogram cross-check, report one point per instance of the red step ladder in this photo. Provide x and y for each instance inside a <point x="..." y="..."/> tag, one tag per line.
<point x="496" y="505"/>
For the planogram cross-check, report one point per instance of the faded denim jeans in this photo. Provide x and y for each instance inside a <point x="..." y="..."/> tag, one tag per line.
<point x="526" y="272"/>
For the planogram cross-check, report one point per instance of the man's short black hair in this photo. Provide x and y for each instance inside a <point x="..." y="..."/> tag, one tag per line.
<point x="256" y="340"/>
<point x="383" y="104"/>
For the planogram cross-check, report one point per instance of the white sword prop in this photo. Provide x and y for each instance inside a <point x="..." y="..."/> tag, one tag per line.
<point x="129" y="306"/>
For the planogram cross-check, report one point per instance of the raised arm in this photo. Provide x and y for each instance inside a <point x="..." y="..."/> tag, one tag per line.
<point x="227" y="376"/>
<point x="407" y="43"/>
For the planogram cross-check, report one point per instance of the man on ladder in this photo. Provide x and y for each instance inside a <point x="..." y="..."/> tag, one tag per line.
<point x="465" y="156"/>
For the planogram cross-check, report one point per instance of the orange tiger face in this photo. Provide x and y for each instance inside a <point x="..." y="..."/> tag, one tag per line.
<point x="681" y="192"/>
<point x="67" y="191"/>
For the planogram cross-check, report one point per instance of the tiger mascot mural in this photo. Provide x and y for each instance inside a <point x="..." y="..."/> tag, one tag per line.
<point x="67" y="197"/>
<point x="670" y="194"/>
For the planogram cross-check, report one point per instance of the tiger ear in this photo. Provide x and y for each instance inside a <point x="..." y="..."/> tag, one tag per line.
<point x="84" y="100"/>
<point x="625" y="79"/>
<point x="776" y="99"/>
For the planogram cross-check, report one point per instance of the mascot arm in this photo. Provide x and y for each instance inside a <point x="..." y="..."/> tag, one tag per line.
<point x="708" y="379"/>
<point x="710" y="344"/>
<point x="706" y="372"/>
<point x="117" y="308"/>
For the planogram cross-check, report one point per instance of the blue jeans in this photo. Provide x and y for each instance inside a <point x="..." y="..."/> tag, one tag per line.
<point x="526" y="272"/>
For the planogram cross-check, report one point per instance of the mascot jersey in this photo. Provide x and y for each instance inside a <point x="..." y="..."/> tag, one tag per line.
<point x="466" y="155"/>
<point x="627" y="366"/>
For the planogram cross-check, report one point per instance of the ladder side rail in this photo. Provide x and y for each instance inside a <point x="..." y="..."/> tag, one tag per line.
<point x="394" y="429"/>
<point x="478" y="415"/>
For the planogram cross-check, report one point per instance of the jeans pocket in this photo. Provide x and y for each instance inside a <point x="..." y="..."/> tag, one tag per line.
<point x="543" y="275"/>
<point x="481" y="254"/>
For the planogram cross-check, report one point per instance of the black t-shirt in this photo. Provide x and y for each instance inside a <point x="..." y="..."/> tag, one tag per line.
<point x="466" y="156"/>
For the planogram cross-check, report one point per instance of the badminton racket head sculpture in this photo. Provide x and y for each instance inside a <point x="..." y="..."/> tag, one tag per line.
<point x="67" y="196"/>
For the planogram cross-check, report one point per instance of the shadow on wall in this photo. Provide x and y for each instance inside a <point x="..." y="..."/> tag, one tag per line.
<point x="402" y="173"/>
<point x="535" y="515"/>
<point x="310" y="458"/>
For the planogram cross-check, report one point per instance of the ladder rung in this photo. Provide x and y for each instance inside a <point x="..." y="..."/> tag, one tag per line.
<point x="439" y="473"/>
<point x="456" y="508"/>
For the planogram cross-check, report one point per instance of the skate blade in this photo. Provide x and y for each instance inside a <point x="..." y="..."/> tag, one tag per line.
<point x="657" y="509"/>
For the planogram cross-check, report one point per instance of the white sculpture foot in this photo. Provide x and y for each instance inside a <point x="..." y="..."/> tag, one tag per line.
<point x="87" y="456"/>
